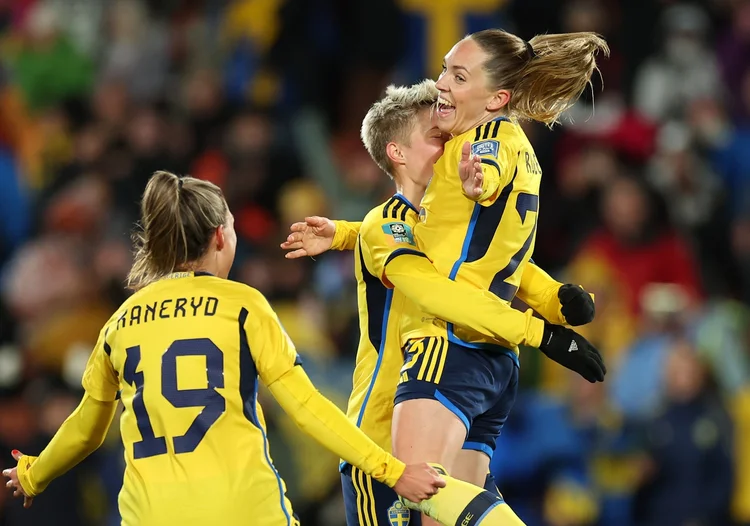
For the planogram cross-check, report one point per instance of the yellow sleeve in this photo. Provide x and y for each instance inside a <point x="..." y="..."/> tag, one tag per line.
<point x="496" y="167"/>
<point x="79" y="436"/>
<point x="99" y="378"/>
<point x="345" y="236"/>
<point x="539" y="291"/>
<point x="321" y="419"/>
<point x="271" y="347"/>
<point x="413" y="275"/>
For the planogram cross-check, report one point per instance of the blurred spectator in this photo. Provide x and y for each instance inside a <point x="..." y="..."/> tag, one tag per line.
<point x="688" y="479"/>
<point x="633" y="249"/>
<point x="47" y="53"/>
<point x="684" y="70"/>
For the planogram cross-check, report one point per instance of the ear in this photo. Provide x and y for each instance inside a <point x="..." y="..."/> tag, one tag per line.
<point x="394" y="153"/>
<point x="500" y="99"/>
<point x="220" y="240"/>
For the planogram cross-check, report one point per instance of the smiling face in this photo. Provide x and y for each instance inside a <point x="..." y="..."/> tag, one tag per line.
<point x="466" y="99"/>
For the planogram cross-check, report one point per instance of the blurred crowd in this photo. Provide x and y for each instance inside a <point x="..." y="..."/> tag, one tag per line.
<point x="646" y="202"/>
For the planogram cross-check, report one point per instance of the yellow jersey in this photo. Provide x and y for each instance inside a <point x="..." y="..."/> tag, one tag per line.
<point x="185" y="355"/>
<point x="486" y="243"/>
<point x="387" y="231"/>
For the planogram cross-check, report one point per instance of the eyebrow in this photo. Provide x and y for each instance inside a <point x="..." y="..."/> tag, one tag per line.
<point x="460" y="67"/>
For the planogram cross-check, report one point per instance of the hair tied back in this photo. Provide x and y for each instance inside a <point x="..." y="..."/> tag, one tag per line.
<point x="530" y="53"/>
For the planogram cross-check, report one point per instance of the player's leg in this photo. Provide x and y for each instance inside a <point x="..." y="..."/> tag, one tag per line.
<point x="471" y="466"/>
<point x="425" y="431"/>
<point x="367" y="502"/>
<point x="443" y="387"/>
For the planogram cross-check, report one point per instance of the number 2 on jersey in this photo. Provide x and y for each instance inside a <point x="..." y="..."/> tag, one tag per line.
<point x="209" y="399"/>
<point x="525" y="203"/>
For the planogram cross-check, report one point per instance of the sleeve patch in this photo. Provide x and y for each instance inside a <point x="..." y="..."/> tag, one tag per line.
<point x="484" y="148"/>
<point x="400" y="232"/>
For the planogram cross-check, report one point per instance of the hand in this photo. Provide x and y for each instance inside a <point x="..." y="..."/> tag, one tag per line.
<point x="309" y="238"/>
<point x="470" y="171"/>
<point x="573" y="351"/>
<point x="577" y="305"/>
<point x="14" y="483"/>
<point x="419" y="482"/>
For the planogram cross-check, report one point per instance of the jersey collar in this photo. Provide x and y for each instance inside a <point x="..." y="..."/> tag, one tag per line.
<point x="404" y="200"/>
<point x="187" y="274"/>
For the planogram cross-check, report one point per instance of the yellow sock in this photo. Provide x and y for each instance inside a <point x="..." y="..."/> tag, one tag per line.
<point x="462" y="504"/>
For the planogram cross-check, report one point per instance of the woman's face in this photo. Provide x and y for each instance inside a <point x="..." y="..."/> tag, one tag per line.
<point x="465" y="100"/>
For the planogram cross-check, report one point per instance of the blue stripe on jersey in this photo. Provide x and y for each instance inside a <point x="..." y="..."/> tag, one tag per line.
<point x="482" y="228"/>
<point x="488" y="220"/>
<point x="383" y="331"/>
<point x="467" y="241"/>
<point x="402" y="252"/>
<point x="478" y="446"/>
<point x="375" y="299"/>
<point x="249" y="393"/>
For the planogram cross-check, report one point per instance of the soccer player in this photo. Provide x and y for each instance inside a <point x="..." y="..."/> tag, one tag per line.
<point x="185" y="354"/>
<point x="491" y="78"/>
<point x="400" y="136"/>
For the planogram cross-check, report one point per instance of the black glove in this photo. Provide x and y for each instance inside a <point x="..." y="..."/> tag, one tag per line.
<point x="573" y="351"/>
<point x="577" y="305"/>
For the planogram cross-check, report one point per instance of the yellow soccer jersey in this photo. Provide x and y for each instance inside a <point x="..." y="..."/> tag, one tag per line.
<point x="386" y="231"/>
<point x="485" y="243"/>
<point x="186" y="355"/>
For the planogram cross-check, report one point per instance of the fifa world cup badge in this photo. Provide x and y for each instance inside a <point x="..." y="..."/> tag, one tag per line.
<point x="400" y="232"/>
<point x="398" y="514"/>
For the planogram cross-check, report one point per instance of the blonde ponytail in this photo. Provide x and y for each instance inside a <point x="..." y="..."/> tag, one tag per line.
<point x="178" y="218"/>
<point x="546" y="75"/>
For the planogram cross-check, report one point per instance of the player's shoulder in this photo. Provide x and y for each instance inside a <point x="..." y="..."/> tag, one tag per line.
<point x="391" y="221"/>
<point x="488" y="139"/>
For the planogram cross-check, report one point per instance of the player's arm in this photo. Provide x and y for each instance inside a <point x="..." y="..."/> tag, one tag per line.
<point x="345" y="234"/>
<point x="557" y="303"/>
<point x="82" y="432"/>
<point x="315" y="235"/>
<point x="391" y="253"/>
<point x="484" y="170"/>
<point x="278" y="366"/>
<point x="80" y="435"/>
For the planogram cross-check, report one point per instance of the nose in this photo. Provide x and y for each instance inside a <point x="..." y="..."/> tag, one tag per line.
<point x="441" y="84"/>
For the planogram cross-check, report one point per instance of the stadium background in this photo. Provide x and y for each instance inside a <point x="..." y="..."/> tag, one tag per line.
<point x="265" y="98"/>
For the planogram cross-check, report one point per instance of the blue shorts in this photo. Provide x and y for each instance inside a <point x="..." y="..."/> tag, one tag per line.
<point x="479" y="386"/>
<point x="368" y="502"/>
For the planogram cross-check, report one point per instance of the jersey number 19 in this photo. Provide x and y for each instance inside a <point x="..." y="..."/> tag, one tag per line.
<point x="209" y="399"/>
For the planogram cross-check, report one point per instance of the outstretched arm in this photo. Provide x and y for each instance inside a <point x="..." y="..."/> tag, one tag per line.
<point x="79" y="436"/>
<point x="316" y="235"/>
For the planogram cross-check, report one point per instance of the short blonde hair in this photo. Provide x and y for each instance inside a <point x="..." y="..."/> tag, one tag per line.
<point x="393" y="117"/>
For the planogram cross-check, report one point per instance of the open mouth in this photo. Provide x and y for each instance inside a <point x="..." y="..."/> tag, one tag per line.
<point x="444" y="108"/>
